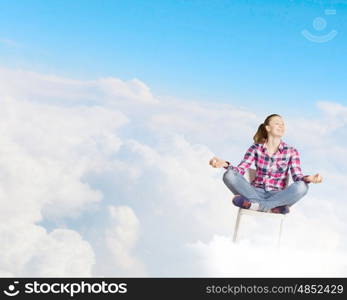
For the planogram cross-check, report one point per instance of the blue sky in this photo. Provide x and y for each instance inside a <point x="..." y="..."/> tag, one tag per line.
<point x="248" y="53"/>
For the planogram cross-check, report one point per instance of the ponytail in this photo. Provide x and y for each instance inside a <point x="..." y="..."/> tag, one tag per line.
<point x="261" y="134"/>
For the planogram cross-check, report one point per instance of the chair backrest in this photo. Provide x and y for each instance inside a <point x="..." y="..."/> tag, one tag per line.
<point x="251" y="175"/>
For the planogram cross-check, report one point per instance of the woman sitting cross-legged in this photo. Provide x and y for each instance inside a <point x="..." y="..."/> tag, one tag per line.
<point x="273" y="159"/>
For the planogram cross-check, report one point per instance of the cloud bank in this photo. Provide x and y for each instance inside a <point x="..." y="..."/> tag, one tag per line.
<point x="102" y="178"/>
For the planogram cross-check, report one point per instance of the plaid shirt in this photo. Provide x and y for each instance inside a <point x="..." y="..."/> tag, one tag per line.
<point x="271" y="172"/>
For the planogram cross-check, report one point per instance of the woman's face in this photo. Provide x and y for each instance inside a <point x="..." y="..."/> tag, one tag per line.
<point x="276" y="127"/>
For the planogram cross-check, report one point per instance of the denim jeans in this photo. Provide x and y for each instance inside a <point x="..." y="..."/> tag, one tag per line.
<point x="266" y="199"/>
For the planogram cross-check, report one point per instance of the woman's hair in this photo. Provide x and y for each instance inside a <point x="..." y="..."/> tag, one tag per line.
<point x="261" y="134"/>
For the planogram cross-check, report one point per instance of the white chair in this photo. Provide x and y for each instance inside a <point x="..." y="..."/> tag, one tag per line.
<point x="250" y="175"/>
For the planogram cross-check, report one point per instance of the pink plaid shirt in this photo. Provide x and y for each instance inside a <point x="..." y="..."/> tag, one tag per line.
<point x="271" y="172"/>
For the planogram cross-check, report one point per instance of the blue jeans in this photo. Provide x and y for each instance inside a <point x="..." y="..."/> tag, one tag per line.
<point x="266" y="199"/>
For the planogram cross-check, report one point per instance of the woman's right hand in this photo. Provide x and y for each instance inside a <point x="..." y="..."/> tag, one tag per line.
<point x="314" y="178"/>
<point x="216" y="162"/>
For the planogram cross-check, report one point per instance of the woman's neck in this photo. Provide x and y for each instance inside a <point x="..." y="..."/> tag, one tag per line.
<point x="272" y="143"/>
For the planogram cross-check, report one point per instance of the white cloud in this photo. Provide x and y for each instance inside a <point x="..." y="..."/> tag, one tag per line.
<point x="52" y="89"/>
<point x="28" y="250"/>
<point x="46" y="151"/>
<point x="121" y="236"/>
<point x="220" y="257"/>
<point x="333" y="109"/>
<point x="133" y="89"/>
<point x="222" y="127"/>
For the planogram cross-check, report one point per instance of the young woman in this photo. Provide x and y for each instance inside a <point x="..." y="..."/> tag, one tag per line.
<point x="273" y="160"/>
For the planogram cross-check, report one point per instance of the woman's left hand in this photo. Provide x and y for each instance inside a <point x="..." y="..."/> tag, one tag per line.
<point x="314" y="178"/>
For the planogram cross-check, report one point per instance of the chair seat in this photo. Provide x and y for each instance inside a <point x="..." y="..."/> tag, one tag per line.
<point x="251" y="212"/>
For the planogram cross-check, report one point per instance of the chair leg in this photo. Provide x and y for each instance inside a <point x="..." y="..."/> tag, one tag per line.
<point x="236" y="229"/>
<point x="280" y="232"/>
